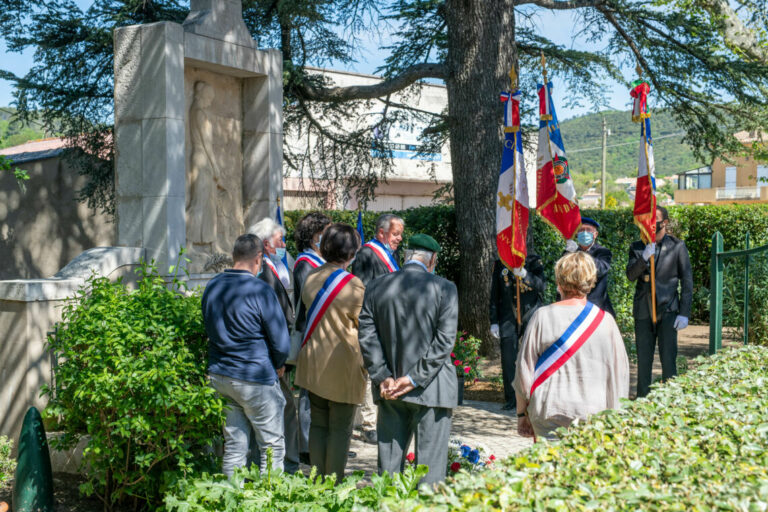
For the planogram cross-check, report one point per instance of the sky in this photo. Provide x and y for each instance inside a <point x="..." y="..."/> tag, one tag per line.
<point x="550" y="23"/>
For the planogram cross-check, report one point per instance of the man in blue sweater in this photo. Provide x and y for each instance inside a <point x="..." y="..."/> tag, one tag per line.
<point x="248" y="344"/>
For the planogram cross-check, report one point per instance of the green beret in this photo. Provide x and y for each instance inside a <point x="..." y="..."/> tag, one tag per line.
<point x="423" y="242"/>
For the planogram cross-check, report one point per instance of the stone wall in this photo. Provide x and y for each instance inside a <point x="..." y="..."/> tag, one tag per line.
<point x="45" y="227"/>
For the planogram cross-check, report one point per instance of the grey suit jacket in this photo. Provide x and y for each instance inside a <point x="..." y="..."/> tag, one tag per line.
<point x="408" y="327"/>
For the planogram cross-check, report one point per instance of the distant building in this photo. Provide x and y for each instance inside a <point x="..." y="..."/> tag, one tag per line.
<point x="745" y="180"/>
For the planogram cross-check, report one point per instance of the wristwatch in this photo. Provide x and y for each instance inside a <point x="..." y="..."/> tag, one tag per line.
<point x="522" y="414"/>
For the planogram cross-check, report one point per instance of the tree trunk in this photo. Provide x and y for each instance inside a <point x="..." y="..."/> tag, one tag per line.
<point x="481" y="51"/>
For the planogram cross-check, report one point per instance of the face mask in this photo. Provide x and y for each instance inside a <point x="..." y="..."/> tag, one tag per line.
<point x="259" y="272"/>
<point x="280" y="253"/>
<point x="585" y="238"/>
<point x="658" y="226"/>
<point x="318" y="241"/>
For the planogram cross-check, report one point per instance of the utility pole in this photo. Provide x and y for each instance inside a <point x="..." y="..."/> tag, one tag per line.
<point x="603" y="163"/>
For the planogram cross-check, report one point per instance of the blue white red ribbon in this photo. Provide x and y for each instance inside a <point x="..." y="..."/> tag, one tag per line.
<point x="383" y="254"/>
<point x="272" y="267"/>
<point x="313" y="259"/>
<point x="568" y="344"/>
<point x="331" y="288"/>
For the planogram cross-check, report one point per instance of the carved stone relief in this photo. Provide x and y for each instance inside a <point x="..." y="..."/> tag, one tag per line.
<point x="214" y="211"/>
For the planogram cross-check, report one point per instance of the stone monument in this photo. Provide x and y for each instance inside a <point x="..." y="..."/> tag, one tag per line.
<point x="198" y="132"/>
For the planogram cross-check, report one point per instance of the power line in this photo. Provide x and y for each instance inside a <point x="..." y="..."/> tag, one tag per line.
<point x="625" y="143"/>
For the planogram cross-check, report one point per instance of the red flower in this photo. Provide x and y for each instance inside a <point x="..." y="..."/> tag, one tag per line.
<point x="455" y="467"/>
<point x="457" y="363"/>
<point x="410" y="457"/>
<point x="453" y="355"/>
<point x="492" y="458"/>
<point x="467" y="369"/>
<point x="476" y="379"/>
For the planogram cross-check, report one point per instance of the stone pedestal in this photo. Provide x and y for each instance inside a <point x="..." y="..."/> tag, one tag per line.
<point x="170" y="134"/>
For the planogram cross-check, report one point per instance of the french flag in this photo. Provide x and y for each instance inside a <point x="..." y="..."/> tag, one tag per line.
<point x="555" y="193"/>
<point x="645" y="188"/>
<point x="512" y="206"/>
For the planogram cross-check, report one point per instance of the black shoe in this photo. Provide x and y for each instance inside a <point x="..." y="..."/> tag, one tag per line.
<point x="304" y="458"/>
<point x="370" y="437"/>
<point x="351" y="454"/>
<point x="508" y="406"/>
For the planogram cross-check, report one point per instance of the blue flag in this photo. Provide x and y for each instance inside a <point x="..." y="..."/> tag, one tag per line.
<point x="360" y="225"/>
<point x="280" y="223"/>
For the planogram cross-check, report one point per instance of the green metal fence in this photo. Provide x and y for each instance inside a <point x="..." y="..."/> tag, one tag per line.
<point x="717" y="270"/>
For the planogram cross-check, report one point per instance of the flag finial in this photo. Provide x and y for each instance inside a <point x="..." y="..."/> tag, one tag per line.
<point x="512" y="78"/>
<point x="544" y="65"/>
<point x="639" y="70"/>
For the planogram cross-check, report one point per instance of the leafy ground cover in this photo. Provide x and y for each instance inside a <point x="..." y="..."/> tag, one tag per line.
<point x="696" y="443"/>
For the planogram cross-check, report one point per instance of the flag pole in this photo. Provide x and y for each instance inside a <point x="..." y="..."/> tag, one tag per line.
<point x="512" y="87"/>
<point x="652" y="260"/>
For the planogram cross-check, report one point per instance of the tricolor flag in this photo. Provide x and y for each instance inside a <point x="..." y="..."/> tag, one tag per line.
<point x="360" y="225"/>
<point x="555" y="193"/>
<point x="280" y="223"/>
<point x="645" y="189"/>
<point x="512" y="193"/>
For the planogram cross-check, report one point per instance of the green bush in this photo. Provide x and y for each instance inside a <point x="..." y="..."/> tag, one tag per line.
<point x="7" y="463"/>
<point x="281" y="491"/>
<point x="696" y="443"/>
<point x="131" y="376"/>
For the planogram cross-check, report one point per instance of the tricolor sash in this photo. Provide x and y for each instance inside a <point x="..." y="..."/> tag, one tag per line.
<point x="383" y="254"/>
<point x="272" y="267"/>
<point x="313" y="259"/>
<point x="331" y="288"/>
<point x="568" y="344"/>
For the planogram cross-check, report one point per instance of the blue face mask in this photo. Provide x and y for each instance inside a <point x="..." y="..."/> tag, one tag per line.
<point x="259" y="272"/>
<point x="280" y="253"/>
<point x="585" y="238"/>
<point x="319" y="238"/>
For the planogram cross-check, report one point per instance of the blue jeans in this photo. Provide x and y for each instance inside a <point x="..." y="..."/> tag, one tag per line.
<point x="251" y="406"/>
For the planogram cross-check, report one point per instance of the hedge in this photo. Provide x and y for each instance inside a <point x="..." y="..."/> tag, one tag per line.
<point x="697" y="442"/>
<point x="694" y="224"/>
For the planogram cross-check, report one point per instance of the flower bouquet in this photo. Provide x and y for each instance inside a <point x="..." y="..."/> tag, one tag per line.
<point x="463" y="456"/>
<point x="465" y="357"/>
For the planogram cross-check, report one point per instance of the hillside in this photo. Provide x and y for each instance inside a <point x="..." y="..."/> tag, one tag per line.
<point x="14" y="133"/>
<point x="580" y="133"/>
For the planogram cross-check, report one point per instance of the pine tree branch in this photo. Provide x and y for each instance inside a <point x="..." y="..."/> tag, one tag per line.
<point x="561" y="5"/>
<point x="733" y="30"/>
<point x="366" y="92"/>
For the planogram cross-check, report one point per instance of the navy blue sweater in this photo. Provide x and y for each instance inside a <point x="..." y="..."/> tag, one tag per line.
<point x="247" y="336"/>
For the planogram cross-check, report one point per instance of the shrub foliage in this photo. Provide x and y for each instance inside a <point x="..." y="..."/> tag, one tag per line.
<point x="131" y="376"/>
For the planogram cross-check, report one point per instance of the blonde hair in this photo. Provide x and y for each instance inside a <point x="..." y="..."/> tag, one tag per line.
<point x="575" y="274"/>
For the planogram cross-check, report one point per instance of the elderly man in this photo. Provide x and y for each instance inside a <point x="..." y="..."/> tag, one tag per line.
<point x="247" y="347"/>
<point x="673" y="271"/>
<point x="586" y="241"/>
<point x="407" y="331"/>
<point x="374" y="259"/>
<point x="279" y="278"/>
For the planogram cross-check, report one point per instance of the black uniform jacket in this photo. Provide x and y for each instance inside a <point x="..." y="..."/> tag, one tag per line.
<point x="283" y="298"/>
<point x="503" y="306"/>
<point x="673" y="270"/>
<point x="599" y="294"/>
<point x="368" y="266"/>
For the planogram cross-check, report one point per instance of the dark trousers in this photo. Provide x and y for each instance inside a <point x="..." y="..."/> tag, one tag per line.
<point x="330" y="434"/>
<point x="646" y="336"/>
<point x="400" y="421"/>
<point x="509" y="346"/>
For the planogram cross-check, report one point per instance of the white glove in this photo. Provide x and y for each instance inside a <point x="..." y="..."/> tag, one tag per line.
<point x="649" y="251"/>
<point x="681" y="322"/>
<point x="520" y="272"/>
<point x="495" y="330"/>
<point x="571" y="246"/>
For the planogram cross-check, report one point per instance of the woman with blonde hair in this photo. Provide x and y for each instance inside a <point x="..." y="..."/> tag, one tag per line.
<point x="572" y="362"/>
